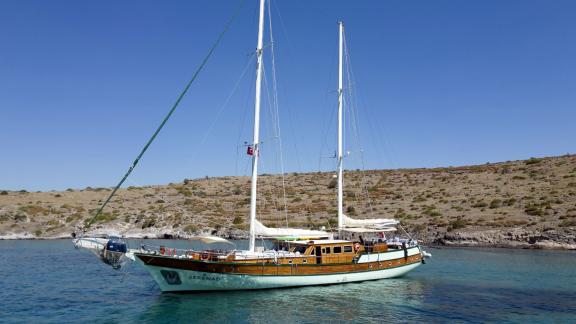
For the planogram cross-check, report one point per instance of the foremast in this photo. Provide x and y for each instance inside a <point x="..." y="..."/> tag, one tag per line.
<point x="256" y="141"/>
<point x="340" y="113"/>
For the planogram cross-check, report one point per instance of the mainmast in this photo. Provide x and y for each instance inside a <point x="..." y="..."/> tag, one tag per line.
<point x="340" y="106"/>
<point x="255" y="143"/>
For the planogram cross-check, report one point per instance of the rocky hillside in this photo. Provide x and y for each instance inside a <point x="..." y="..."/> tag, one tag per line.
<point x="530" y="203"/>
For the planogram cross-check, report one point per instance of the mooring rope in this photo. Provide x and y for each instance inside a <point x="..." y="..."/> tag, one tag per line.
<point x="170" y="112"/>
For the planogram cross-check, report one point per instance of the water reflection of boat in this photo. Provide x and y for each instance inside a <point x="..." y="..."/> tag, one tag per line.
<point x="393" y="300"/>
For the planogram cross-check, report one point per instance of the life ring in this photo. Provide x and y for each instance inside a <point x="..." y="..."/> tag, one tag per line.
<point x="204" y="256"/>
<point x="356" y="247"/>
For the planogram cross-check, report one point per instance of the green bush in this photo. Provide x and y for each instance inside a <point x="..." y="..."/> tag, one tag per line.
<point x="191" y="229"/>
<point x="149" y="222"/>
<point x="532" y="161"/>
<point x="456" y="224"/>
<point x="534" y="210"/>
<point x="496" y="203"/>
<point x="333" y="183"/>
<point x="568" y="223"/>
<point x="509" y="202"/>
<point x="351" y="210"/>
<point x="104" y="218"/>
<point x="480" y="204"/>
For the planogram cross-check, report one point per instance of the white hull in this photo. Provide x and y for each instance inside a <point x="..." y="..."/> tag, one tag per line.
<point x="190" y="280"/>
<point x="202" y="281"/>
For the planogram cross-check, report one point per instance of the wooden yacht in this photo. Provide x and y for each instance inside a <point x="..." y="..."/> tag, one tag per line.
<point x="301" y="257"/>
<point x="314" y="262"/>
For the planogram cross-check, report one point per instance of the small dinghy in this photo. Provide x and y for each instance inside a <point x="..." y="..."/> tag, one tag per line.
<point x="110" y="249"/>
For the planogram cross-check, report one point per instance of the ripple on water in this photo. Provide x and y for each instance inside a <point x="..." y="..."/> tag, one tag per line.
<point x="49" y="281"/>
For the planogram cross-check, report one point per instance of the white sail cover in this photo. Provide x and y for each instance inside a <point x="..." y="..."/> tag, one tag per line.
<point x="369" y="230"/>
<point x="264" y="231"/>
<point x="209" y="239"/>
<point x="374" y="223"/>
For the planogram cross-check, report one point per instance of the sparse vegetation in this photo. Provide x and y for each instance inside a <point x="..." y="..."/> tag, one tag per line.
<point x="539" y="193"/>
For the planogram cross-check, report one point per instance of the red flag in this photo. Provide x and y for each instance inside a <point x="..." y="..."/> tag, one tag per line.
<point x="250" y="150"/>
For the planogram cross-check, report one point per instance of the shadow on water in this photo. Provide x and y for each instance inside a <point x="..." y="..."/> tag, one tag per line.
<point x="368" y="301"/>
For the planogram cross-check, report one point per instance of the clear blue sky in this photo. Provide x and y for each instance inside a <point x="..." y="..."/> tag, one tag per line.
<point x="439" y="83"/>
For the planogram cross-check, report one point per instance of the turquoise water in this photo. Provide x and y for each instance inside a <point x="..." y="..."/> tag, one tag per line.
<point x="51" y="282"/>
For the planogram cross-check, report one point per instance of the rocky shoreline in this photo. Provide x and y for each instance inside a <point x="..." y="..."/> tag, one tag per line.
<point x="528" y="204"/>
<point x="516" y="238"/>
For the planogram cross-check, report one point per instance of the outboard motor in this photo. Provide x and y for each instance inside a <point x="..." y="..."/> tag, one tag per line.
<point x="113" y="252"/>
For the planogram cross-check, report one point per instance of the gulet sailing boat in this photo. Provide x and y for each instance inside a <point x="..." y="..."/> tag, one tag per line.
<point x="312" y="257"/>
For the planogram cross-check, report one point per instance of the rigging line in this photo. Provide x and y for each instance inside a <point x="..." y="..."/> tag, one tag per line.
<point x="355" y="124"/>
<point x="170" y="201"/>
<point x="327" y="129"/>
<point x="275" y="97"/>
<point x="219" y="113"/>
<point x="174" y="204"/>
<point x="288" y="109"/>
<point x="241" y="128"/>
<point x="275" y="127"/>
<point x="331" y="112"/>
<point x="178" y="100"/>
<point x="268" y="186"/>
<point x="274" y="136"/>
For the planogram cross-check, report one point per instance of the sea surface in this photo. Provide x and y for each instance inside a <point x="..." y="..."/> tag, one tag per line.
<point x="51" y="282"/>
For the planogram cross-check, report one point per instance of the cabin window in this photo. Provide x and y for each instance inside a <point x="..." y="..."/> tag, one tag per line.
<point x="348" y="248"/>
<point x="290" y="261"/>
<point x="327" y="250"/>
<point x="312" y="253"/>
<point x="304" y="261"/>
<point x="337" y="249"/>
<point x="323" y="250"/>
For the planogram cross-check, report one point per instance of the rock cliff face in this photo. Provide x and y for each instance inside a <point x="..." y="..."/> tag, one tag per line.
<point x="509" y="238"/>
<point x="524" y="204"/>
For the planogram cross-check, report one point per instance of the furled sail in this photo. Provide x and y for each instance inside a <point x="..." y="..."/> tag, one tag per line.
<point x="209" y="239"/>
<point x="264" y="231"/>
<point x="374" y="223"/>
<point x="369" y="230"/>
